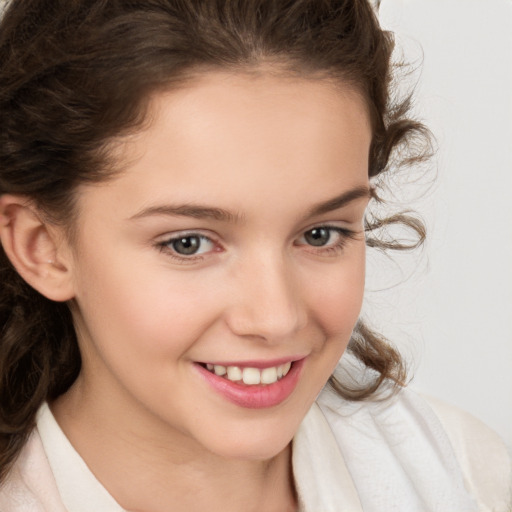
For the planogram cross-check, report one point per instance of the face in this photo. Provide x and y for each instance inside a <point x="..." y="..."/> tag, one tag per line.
<point x="228" y="252"/>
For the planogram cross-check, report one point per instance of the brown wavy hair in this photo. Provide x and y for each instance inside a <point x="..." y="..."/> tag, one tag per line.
<point x="76" y="74"/>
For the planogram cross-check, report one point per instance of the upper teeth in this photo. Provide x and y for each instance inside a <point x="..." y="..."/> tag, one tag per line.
<point x="251" y="376"/>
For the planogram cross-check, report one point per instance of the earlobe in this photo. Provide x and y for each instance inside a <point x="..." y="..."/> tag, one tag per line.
<point x="35" y="248"/>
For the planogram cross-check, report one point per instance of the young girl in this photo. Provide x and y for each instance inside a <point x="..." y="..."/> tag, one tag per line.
<point x="183" y="195"/>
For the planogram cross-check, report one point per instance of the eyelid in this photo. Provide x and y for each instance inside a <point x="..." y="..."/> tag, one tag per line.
<point x="164" y="242"/>
<point x="343" y="229"/>
<point x="331" y="249"/>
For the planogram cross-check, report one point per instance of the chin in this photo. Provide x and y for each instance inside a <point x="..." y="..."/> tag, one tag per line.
<point x="261" y="443"/>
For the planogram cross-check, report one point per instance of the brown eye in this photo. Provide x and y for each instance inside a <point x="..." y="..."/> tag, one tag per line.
<point x="318" y="236"/>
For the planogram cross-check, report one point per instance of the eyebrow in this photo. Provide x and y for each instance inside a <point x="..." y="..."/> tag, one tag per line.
<point x="190" y="210"/>
<point x="219" y="214"/>
<point x="340" y="201"/>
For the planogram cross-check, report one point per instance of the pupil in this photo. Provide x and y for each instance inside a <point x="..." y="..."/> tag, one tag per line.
<point x="317" y="236"/>
<point x="186" y="245"/>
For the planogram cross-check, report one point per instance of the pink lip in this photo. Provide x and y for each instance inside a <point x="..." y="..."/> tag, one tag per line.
<point x="258" y="396"/>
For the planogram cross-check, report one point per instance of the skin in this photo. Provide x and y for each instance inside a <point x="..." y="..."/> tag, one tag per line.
<point x="268" y="150"/>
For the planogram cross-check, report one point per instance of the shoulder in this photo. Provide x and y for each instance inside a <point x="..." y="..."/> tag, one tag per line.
<point x="483" y="456"/>
<point x="447" y="455"/>
<point x="30" y="485"/>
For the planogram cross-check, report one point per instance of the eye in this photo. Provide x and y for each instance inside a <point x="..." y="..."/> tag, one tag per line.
<point x="326" y="239"/>
<point x="192" y="244"/>
<point x="318" y="236"/>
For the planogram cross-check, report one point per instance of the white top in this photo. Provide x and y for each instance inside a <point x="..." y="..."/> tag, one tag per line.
<point x="396" y="455"/>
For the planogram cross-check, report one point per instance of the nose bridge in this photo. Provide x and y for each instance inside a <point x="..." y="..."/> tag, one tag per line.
<point x="267" y="301"/>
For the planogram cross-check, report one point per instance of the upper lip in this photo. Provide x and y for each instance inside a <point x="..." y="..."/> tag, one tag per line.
<point x="256" y="363"/>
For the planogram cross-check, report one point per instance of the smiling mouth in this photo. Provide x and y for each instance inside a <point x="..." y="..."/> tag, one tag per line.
<point x="250" y="376"/>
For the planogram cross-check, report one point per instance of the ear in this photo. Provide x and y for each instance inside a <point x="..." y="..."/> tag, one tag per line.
<point x="36" y="248"/>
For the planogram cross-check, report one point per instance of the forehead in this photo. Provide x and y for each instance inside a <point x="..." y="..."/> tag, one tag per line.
<point x="227" y="137"/>
<point x="256" y="100"/>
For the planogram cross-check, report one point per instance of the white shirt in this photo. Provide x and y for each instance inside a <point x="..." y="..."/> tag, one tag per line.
<point x="396" y="455"/>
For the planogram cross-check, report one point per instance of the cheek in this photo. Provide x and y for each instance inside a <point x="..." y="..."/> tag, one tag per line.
<point x="337" y="298"/>
<point x="149" y="310"/>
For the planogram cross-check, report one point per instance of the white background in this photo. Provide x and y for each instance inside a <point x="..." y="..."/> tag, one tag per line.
<point x="453" y="316"/>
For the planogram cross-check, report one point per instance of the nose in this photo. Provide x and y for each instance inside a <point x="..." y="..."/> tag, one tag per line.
<point x="266" y="300"/>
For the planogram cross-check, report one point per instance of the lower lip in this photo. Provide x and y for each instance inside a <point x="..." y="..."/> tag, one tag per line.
<point x="256" y="396"/>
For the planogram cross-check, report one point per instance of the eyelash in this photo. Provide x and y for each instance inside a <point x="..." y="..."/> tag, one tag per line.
<point x="344" y="236"/>
<point x="166" y="246"/>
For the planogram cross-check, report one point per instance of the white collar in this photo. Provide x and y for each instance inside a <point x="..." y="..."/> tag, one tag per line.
<point x="79" y="489"/>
